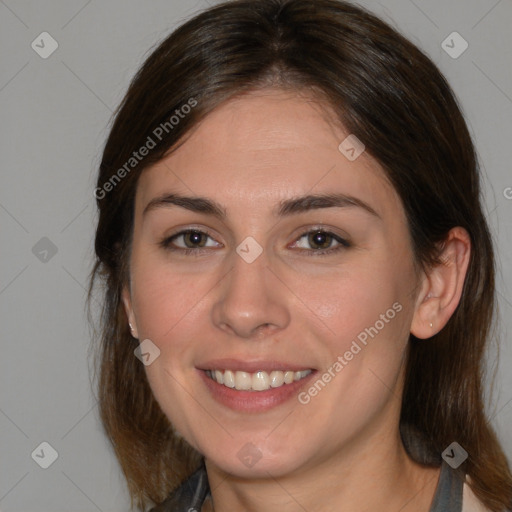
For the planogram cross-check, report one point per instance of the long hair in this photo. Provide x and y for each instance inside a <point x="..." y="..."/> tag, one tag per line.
<point x="395" y="100"/>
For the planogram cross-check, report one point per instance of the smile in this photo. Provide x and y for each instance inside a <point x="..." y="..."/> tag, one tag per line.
<point x="257" y="381"/>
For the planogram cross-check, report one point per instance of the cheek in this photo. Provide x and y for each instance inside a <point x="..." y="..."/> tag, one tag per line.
<point x="348" y="302"/>
<point x="365" y="354"/>
<point x="165" y="300"/>
<point x="363" y="317"/>
<point x="169" y="307"/>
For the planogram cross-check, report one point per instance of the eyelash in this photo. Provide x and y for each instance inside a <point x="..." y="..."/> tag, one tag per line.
<point x="166" y="243"/>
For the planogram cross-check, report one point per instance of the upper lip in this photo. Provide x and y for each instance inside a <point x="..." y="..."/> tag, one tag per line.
<point x="251" y="366"/>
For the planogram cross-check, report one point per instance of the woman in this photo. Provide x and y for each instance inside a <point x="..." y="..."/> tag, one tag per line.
<point x="290" y="226"/>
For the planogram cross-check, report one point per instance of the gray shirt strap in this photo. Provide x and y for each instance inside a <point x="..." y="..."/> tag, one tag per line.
<point x="448" y="496"/>
<point x="189" y="496"/>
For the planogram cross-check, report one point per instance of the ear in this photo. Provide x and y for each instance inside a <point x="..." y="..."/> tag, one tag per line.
<point x="127" y="303"/>
<point x="442" y="285"/>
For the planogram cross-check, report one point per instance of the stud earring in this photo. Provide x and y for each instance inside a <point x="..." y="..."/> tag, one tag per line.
<point x="131" y="326"/>
<point x="431" y="325"/>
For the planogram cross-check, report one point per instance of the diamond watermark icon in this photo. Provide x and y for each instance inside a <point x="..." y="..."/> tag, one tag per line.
<point x="351" y="148"/>
<point x="249" y="454"/>
<point x="44" y="45"/>
<point x="249" y="249"/>
<point x="147" y="352"/>
<point x="45" y="455"/>
<point x="455" y="455"/>
<point x="454" y="45"/>
<point x="44" y="250"/>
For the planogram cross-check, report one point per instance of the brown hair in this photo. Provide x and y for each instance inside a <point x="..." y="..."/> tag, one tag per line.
<point x="394" y="99"/>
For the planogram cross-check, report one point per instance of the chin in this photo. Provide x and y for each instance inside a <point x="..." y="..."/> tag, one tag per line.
<point x="253" y="461"/>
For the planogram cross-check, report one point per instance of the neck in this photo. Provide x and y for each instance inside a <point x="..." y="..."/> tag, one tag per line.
<point x="372" y="474"/>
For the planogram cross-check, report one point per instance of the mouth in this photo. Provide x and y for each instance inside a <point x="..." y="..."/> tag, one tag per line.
<point x="254" y="386"/>
<point x="257" y="381"/>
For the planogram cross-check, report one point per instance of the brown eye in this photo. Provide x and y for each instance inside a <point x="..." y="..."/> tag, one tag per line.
<point x="318" y="242"/>
<point x="320" y="239"/>
<point x="194" y="239"/>
<point x="189" y="241"/>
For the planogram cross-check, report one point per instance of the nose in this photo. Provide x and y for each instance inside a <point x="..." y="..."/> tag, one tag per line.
<point x="251" y="300"/>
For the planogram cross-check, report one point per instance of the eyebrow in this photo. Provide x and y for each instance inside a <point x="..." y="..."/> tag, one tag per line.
<point x="284" y="208"/>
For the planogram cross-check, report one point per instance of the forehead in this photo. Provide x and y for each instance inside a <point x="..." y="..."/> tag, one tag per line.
<point x="264" y="147"/>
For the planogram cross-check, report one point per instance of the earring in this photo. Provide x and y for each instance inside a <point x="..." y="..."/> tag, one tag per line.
<point x="431" y="325"/>
<point x="131" y="326"/>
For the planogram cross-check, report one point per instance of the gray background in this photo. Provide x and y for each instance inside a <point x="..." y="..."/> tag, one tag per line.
<point x="54" y="120"/>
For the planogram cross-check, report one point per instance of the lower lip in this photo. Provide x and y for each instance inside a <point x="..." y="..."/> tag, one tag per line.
<point x="254" y="401"/>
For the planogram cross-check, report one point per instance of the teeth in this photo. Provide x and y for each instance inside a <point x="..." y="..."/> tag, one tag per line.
<point x="228" y="378"/>
<point x="219" y="376"/>
<point x="259" y="381"/>
<point x="288" y="377"/>
<point x="276" y="379"/>
<point x="243" y="381"/>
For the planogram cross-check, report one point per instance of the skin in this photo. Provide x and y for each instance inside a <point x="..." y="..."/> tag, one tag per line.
<point x="342" y="450"/>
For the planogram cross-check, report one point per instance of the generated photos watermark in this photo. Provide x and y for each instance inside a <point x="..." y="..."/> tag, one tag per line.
<point x="351" y="147"/>
<point x="150" y="143"/>
<point x="454" y="455"/>
<point x="356" y="347"/>
<point x="147" y="352"/>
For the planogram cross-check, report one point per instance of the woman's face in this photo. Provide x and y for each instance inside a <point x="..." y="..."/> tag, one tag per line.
<point x="270" y="283"/>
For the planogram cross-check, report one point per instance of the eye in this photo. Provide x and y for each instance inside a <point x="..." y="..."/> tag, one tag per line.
<point x="321" y="241"/>
<point x="193" y="241"/>
<point x="188" y="241"/>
